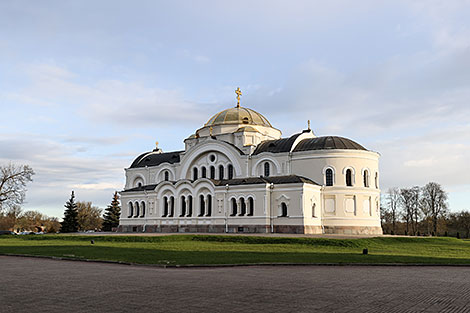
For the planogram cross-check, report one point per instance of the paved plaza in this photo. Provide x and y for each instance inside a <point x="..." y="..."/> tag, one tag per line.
<point x="45" y="285"/>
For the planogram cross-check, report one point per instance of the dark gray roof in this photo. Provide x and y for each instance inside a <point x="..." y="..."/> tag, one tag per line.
<point x="326" y="143"/>
<point x="288" y="179"/>
<point x="154" y="159"/>
<point x="276" y="146"/>
<point x="141" y="188"/>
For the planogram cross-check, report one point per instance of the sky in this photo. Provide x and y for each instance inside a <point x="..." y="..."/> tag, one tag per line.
<point x="86" y="86"/>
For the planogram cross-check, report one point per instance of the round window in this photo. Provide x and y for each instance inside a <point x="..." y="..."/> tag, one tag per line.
<point x="212" y="158"/>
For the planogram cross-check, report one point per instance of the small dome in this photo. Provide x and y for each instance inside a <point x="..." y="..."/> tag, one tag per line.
<point x="238" y="115"/>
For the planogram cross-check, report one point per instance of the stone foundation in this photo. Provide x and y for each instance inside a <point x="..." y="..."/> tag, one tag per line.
<point x="353" y="230"/>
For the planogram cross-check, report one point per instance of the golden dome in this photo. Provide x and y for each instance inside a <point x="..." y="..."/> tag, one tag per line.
<point x="238" y="115"/>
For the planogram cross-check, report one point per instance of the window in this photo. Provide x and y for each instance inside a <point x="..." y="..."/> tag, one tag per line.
<point x="366" y="178"/>
<point x="203" y="172"/>
<point x="230" y="171"/>
<point x="131" y="210"/>
<point x="139" y="184"/>
<point x="329" y="177"/>
<point x="190" y="206"/>
<point x="172" y="207"/>
<point x="142" y="209"/>
<point x="349" y="177"/>
<point x="266" y="169"/>
<point x="209" y="205"/>
<point x="234" y="207"/>
<point x="376" y="180"/>
<point x="221" y="172"/>
<point x="251" y="206"/>
<point x="136" y="206"/>
<point x="212" y="172"/>
<point x="167" y="176"/>
<point x="195" y="173"/>
<point x="283" y="209"/>
<point x="165" y="207"/>
<point x="314" y="206"/>
<point x="242" y="207"/>
<point x="183" y="206"/>
<point x="202" y="205"/>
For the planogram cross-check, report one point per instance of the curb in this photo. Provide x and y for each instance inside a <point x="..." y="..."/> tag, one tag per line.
<point x="232" y="265"/>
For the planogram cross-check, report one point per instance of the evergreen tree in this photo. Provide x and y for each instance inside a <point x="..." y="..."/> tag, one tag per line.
<point x="112" y="214"/>
<point x="70" y="222"/>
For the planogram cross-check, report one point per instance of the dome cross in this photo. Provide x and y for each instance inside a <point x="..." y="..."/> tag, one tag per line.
<point x="239" y="93"/>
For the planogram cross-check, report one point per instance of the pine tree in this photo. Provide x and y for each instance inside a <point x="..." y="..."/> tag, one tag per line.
<point x="112" y="214"/>
<point x="70" y="222"/>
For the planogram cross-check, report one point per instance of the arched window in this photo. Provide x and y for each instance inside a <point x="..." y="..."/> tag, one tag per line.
<point x="376" y="180"/>
<point x="202" y="205"/>
<point x="251" y="206"/>
<point x="172" y="207"/>
<point x="167" y="176"/>
<point x="195" y="173"/>
<point x="209" y="205"/>
<point x="131" y="210"/>
<point x="349" y="177"/>
<point x="221" y="172"/>
<point x="329" y="177"/>
<point x="190" y="206"/>
<point x="234" y="207"/>
<point x="203" y="172"/>
<point x="267" y="169"/>
<point x="139" y="184"/>
<point x="212" y="172"/>
<point x="137" y="209"/>
<point x="183" y="206"/>
<point x="283" y="209"/>
<point x="366" y="178"/>
<point x="230" y="171"/>
<point x="242" y="207"/>
<point x="142" y="209"/>
<point x="165" y="207"/>
<point x="314" y="206"/>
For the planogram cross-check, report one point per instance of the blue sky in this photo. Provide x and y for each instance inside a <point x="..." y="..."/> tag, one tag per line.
<point x="86" y="86"/>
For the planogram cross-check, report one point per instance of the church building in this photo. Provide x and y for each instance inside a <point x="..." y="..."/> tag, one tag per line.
<point x="238" y="175"/>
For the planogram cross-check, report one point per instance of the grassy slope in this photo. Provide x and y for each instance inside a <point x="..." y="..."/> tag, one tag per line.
<point x="201" y="249"/>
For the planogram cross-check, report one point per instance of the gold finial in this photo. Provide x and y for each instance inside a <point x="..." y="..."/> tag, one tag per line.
<point x="239" y="93"/>
<point x="308" y="123"/>
<point x="156" y="144"/>
<point x="210" y="131"/>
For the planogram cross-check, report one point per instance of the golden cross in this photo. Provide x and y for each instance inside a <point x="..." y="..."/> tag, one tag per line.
<point x="239" y="93"/>
<point x="308" y="122"/>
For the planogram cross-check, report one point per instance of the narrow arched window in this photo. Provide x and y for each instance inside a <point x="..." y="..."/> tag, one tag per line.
<point x="203" y="172"/>
<point x="251" y="206"/>
<point x="314" y="206"/>
<point x="234" y="207"/>
<point x="242" y="207"/>
<point x="349" y="177"/>
<point x="267" y="169"/>
<point x="172" y="206"/>
<point x="131" y="210"/>
<point x="137" y="209"/>
<point x="167" y="176"/>
<point x="230" y="171"/>
<point x="209" y="205"/>
<point x="376" y="180"/>
<point x="142" y="209"/>
<point x="165" y="207"/>
<point x="221" y="172"/>
<point x="283" y="209"/>
<point x="366" y="178"/>
<point x="190" y="206"/>
<point x="329" y="177"/>
<point x="212" y="172"/>
<point x="202" y="205"/>
<point x="195" y="173"/>
<point x="183" y="206"/>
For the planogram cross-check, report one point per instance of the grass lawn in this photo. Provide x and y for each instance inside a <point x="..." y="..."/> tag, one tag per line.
<point x="213" y="249"/>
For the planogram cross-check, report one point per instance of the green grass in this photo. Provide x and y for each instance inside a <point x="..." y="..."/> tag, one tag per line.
<point x="216" y="249"/>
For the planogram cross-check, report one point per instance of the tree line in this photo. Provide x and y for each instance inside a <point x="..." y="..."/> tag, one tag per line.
<point x="422" y="211"/>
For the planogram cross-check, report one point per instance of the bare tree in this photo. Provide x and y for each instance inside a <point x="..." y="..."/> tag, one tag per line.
<point x="463" y="220"/>
<point x="406" y="203"/>
<point x="89" y="216"/>
<point x="393" y="199"/>
<point x="434" y="203"/>
<point x="13" y="179"/>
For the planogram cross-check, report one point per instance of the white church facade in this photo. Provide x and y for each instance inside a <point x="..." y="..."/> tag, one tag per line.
<point x="238" y="175"/>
